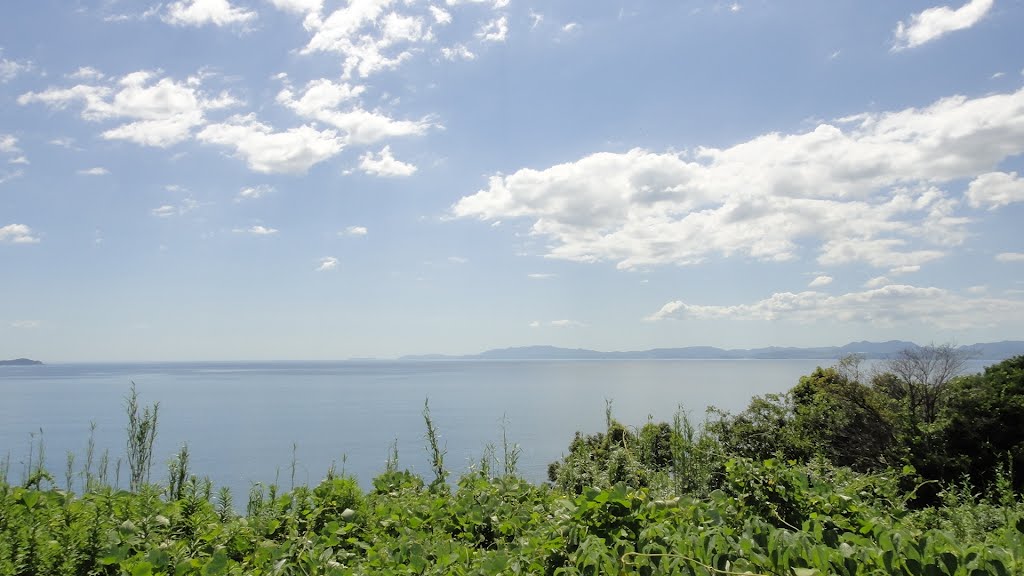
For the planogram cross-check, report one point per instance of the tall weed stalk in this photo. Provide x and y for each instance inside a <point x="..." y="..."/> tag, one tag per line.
<point x="141" y="434"/>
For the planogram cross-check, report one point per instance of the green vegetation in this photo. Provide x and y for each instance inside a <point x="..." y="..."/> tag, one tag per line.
<point x="830" y="478"/>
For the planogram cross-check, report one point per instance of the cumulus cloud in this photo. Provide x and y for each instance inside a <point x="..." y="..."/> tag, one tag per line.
<point x="327" y="263"/>
<point x="441" y="16"/>
<point x="10" y="69"/>
<point x="494" y="30"/>
<point x="94" y="171"/>
<point x="17" y="234"/>
<point x="86" y="73"/>
<point x="253" y="192"/>
<point x="820" y="281"/>
<point x="355" y="231"/>
<point x="9" y="144"/>
<point x="877" y="282"/>
<point x="385" y="164"/>
<point x="995" y="189"/>
<point x="936" y="22"/>
<point x="160" y="113"/>
<point x="863" y="188"/>
<point x="204" y="12"/>
<point x="336" y="104"/>
<point x="292" y="151"/>
<point x="884" y="306"/>
<point x="457" y="52"/>
<point x="369" y="35"/>
<point x="1010" y="257"/>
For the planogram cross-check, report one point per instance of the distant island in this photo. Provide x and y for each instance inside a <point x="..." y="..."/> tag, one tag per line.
<point x="873" y="350"/>
<point x="19" y="362"/>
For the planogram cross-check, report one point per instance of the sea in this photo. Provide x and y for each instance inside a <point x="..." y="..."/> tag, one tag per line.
<point x="248" y="423"/>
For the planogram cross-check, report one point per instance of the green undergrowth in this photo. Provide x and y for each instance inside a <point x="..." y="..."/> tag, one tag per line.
<point x="767" y="517"/>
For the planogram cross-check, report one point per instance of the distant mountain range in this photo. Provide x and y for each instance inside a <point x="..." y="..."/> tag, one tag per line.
<point x="19" y="362"/>
<point x="874" y="350"/>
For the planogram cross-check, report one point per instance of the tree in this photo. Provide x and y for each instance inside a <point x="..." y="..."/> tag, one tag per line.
<point x="846" y="421"/>
<point x="920" y="377"/>
<point x="985" y="423"/>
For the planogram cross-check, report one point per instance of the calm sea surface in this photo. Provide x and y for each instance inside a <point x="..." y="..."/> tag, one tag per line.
<point x="241" y="420"/>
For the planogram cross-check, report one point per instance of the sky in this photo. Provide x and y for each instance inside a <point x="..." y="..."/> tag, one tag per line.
<point x="330" y="179"/>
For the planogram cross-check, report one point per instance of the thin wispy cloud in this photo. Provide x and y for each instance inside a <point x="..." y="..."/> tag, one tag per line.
<point x="327" y="263"/>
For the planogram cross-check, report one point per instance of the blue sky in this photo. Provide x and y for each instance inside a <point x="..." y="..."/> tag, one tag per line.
<point x="325" y="179"/>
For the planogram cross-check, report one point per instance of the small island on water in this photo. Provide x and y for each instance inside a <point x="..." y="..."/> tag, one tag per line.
<point x="20" y="362"/>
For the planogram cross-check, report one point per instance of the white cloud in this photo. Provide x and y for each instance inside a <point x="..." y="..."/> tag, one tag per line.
<point x="877" y="282"/>
<point x="293" y="151"/>
<point x="904" y="270"/>
<point x="370" y="37"/>
<point x="25" y="324"/>
<point x="888" y="305"/>
<point x="10" y="69"/>
<point x="203" y="12"/>
<point x="17" y="234"/>
<point x="161" y="113"/>
<point x="540" y="276"/>
<point x="253" y="192"/>
<point x="327" y="263"/>
<point x="1010" y="257"/>
<point x="864" y="188"/>
<point x="95" y="171"/>
<point x="457" y="52"/>
<point x="64" y="142"/>
<point x="384" y="164"/>
<point x="995" y="189"/>
<point x="564" y="323"/>
<point x="322" y="101"/>
<point x="86" y="73"/>
<point x="355" y="231"/>
<point x="150" y="12"/>
<point x="8" y="176"/>
<point x="996" y="75"/>
<point x="458" y="260"/>
<point x="441" y="16"/>
<point x="820" y="281"/>
<point x="494" y="31"/>
<point x="9" y="144"/>
<point x="535" y="19"/>
<point x="258" y="230"/>
<point x="933" y="23"/>
<point x="299" y="6"/>
<point x="570" y="27"/>
<point x="167" y="210"/>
